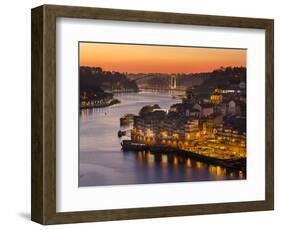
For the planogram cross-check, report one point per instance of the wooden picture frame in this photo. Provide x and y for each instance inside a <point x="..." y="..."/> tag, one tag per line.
<point x="43" y="207"/>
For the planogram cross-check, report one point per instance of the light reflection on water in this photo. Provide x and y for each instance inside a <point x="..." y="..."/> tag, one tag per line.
<point x="163" y="159"/>
<point x="102" y="162"/>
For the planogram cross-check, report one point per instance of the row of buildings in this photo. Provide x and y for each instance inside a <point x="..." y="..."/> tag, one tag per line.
<point x="215" y="129"/>
<point x="96" y="99"/>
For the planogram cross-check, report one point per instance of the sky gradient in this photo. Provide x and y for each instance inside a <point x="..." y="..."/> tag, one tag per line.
<point x="160" y="59"/>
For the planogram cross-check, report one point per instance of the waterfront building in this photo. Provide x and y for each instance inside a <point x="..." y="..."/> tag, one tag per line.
<point x="216" y="97"/>
<point x="192" y="129"/>
<point x="221" y="109"/>
<point x="236" y="107"/>
<point x="95" y="102"/>
<point x="206" y="126"/>
<point x="236" y="92"/>
<point x="232" y="107"/>
<point x="95" y="98"/>
<point x="232" y="140"/>
<point x="207" y="110"/>
<point x="197" y="106"/>
<point x="195" y="112"/>
<point x="213" y="130"/>
<point x="127" y="120"/>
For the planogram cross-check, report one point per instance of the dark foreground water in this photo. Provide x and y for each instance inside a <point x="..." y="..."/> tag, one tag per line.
<point x="102" y="162"/>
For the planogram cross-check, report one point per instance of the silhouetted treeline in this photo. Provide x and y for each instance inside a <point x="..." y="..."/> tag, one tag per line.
<point x="96" y="78"/>
<point x="226" y="78"/>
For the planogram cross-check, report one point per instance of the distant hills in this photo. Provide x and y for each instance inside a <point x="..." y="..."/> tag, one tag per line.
<point x="96" y="78"/>
<point x="227" y="78"/>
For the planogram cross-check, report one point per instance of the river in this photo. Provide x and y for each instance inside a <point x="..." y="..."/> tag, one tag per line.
<point x="102" y="161"/>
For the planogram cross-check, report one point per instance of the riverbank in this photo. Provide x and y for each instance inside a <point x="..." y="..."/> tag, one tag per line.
<point x="102" y="105"/>
<point x="115" y="91"/>
<point x="236" y="164"/>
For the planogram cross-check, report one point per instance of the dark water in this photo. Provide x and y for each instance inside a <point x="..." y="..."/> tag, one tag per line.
<point x="102" y="162"/>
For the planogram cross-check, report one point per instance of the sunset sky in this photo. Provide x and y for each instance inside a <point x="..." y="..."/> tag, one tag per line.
<point x="161" y="59"/>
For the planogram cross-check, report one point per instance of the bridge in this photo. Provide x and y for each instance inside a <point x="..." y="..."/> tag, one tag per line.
<point x="173" y="81"/>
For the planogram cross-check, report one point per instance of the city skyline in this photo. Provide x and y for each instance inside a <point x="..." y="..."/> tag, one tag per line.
<point x="159" y="59"/>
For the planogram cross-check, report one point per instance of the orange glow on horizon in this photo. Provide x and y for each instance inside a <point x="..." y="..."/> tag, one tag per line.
<point x="160" y="59"/>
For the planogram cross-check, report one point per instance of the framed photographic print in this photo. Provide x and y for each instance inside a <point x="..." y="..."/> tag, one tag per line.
<point x="149" y="114"/>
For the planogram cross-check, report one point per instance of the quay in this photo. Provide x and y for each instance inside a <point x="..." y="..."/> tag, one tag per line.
<point x="236" y="164"/>
<point x="100" y="105"/>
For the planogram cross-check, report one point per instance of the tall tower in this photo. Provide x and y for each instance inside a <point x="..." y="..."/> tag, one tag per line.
<point x="173" y="82"/>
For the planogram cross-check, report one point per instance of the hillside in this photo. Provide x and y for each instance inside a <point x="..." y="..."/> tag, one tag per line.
<point x="221" y="78"/>
<point x="91" y="78"/>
